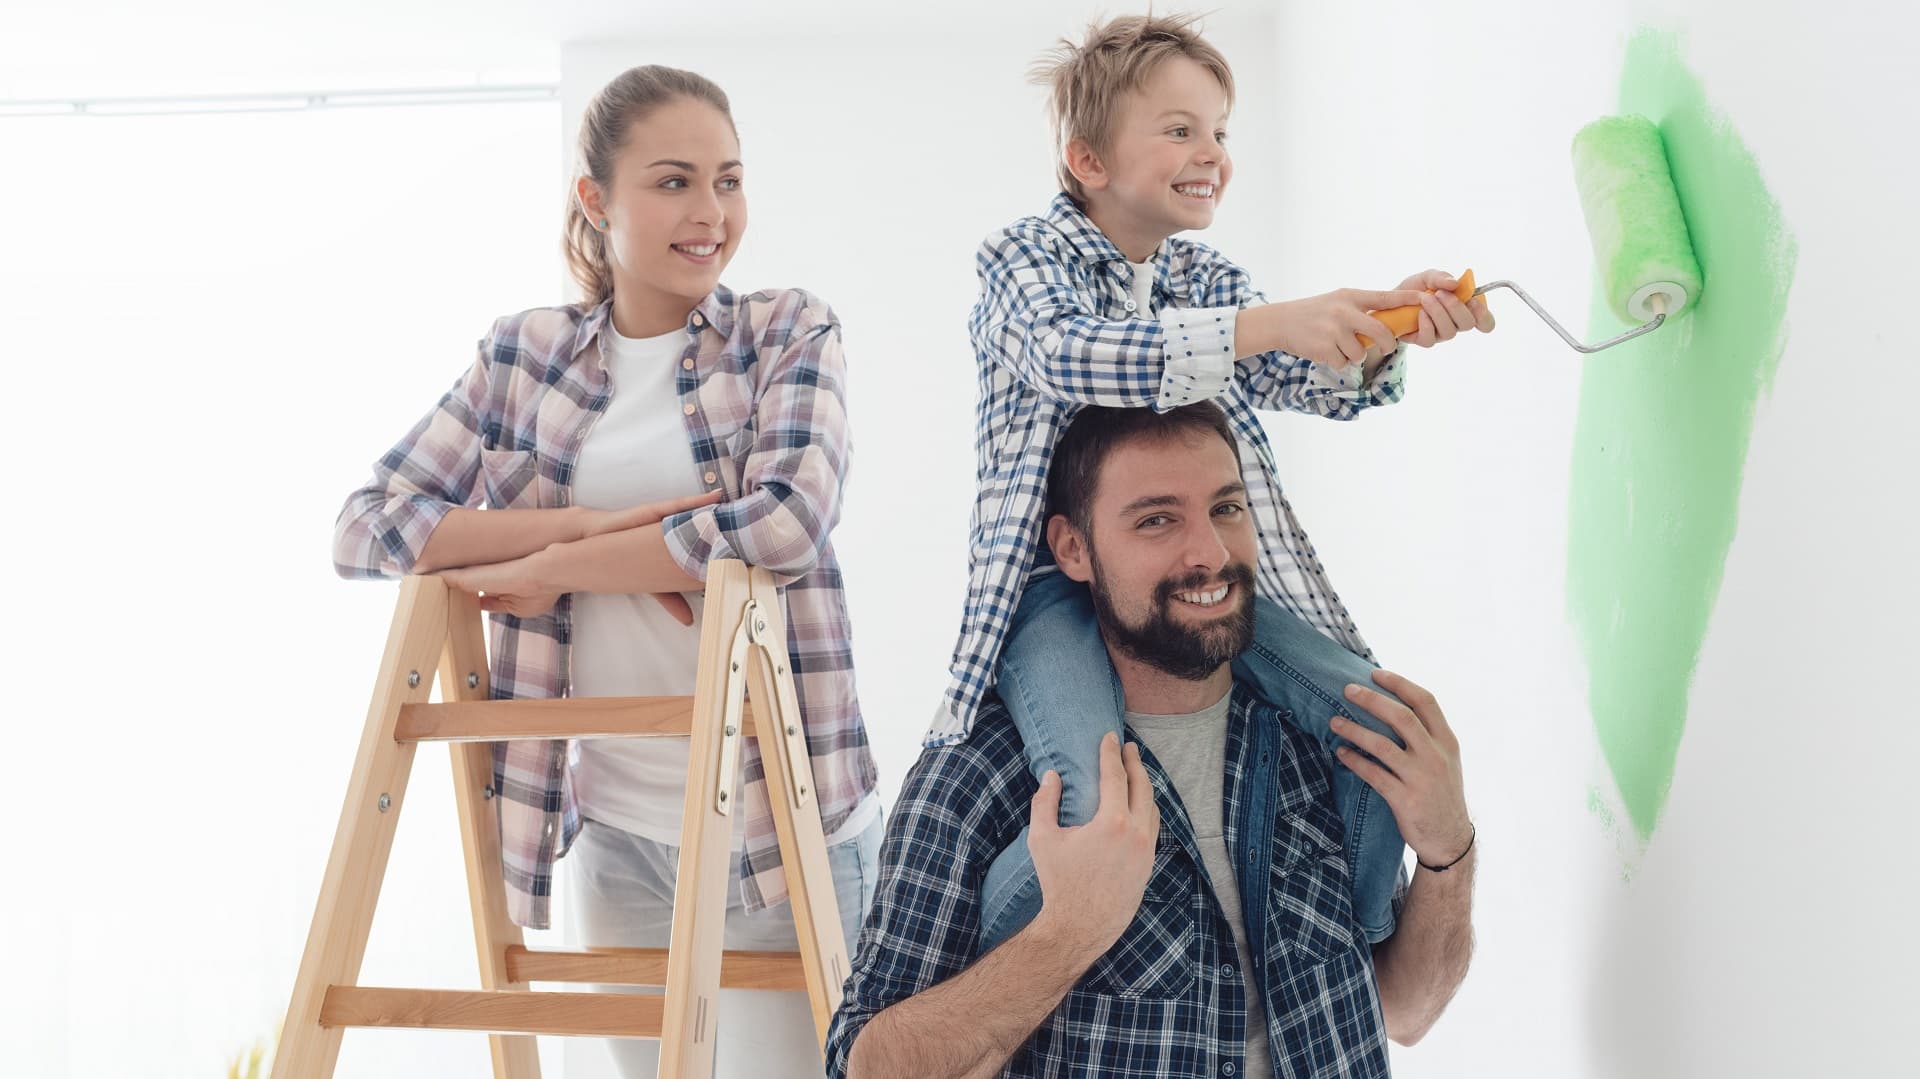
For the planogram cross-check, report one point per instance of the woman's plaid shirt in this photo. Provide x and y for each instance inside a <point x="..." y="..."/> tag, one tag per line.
<point x="762" y="387"/>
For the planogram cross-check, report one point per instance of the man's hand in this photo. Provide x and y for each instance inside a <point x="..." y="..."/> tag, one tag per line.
<point x="1442" y="315"/>
<point x="1093" y="876"/>
<point x="1421" y="783"/>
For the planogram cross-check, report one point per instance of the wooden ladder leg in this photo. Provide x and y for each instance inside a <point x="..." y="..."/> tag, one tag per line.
<point x="337" y="940"/>
<point x="463" y="677"/>
<point x="796" y="812"/>
<point x="700" y="885"/>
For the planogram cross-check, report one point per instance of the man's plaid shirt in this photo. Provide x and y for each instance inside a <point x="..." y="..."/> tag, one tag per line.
<point x="1168" y="998"/>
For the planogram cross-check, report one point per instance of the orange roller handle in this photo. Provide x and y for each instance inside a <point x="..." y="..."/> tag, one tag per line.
<point x="1405" y="320"/>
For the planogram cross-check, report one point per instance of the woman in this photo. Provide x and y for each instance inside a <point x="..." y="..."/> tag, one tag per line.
<point x="619" y="445"/>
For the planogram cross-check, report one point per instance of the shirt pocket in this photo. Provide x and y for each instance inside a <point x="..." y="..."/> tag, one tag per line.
<point x="1156" y="957"/>
<point x="509" y="477"/>
<point x="1310" y="903"/>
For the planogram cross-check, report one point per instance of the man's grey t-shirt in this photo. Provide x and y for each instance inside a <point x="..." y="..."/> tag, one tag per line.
<point x="1192" y="750"/>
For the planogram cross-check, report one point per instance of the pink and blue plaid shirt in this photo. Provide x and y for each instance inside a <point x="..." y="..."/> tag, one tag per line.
<point x="1057" y="329"/>
<point x="762" y="384"/>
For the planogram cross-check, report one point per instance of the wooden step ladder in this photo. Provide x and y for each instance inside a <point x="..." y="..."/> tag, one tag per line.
<point x="744" y="638"/>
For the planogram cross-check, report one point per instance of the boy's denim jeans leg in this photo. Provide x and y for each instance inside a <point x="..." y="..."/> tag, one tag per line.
<point x="1060" y="689"/>
<point x="1305" y="673"/>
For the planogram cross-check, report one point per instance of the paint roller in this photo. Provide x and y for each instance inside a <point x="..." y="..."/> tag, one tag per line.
<point x="1647" y="266"/>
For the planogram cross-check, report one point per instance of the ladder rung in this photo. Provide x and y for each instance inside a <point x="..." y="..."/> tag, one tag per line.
<point x="563" y="717"/>
<point x="597" y="1015"/>
<point x="648" y="966"/>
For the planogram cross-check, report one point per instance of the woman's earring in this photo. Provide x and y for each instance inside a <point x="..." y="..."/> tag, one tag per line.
<point x="603" y="224"/>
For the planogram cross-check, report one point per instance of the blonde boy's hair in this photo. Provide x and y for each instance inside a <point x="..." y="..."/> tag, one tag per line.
<point x="1087" y="82"/>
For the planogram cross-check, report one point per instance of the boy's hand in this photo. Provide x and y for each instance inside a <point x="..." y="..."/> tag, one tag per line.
<point x="1442" y="315"/>
<point x="1326" y="329"/>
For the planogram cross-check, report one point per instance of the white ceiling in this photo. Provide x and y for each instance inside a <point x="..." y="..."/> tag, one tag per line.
<point x="94" y="48"/>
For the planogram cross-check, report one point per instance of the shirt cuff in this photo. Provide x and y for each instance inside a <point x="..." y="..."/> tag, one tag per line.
<point x="1199" y="347"/>
<point x="694" y="539"/>
<point x="409" y="525"/>
<point x="1385" y="387"/>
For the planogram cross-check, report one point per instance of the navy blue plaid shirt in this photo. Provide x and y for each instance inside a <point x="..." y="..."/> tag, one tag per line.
<point x="1167" y="999"/>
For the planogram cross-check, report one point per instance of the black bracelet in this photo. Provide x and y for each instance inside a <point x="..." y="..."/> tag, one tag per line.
<point x="1471" y="836"/>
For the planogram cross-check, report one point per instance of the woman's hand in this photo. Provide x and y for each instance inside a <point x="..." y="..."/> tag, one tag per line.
<point x="511" y="587"/>
<point x="600" y="522"/>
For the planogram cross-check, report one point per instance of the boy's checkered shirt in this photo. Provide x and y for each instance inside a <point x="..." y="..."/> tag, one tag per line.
<point x="1056" y="329"/>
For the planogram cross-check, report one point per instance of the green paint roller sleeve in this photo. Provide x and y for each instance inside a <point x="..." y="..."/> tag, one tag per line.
<point x="1633" y="214"/>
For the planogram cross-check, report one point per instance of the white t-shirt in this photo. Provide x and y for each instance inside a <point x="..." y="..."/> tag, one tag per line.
<point x="628" y="645"/>
<point x="1143" y="287"/>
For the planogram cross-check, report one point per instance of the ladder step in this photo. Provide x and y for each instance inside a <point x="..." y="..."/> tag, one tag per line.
<point x="648" y="966"/>
<point x="563" y="717"/>
<point x="596" y="1015"/>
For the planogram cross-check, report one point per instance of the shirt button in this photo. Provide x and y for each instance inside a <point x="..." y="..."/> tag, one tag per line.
<point x="711" y="477"/>
<point x="1228" y="1068"/>
<point x="1130" y="305"/>
<point x="1226" y="970"/>
<point x="697" y="320"/>
<point x="688" y="409"/>
<point x="688" y="364"/>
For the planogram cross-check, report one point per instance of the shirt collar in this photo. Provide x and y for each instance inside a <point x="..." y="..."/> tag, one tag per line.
<point x="715" y="311"/>
<point x="1085" y="236"/>
<point x="1092" y="245"/>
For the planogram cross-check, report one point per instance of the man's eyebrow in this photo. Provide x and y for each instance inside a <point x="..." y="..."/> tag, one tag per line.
<point x="1147" y="502"/>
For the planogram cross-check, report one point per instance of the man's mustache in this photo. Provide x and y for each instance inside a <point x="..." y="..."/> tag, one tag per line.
<point x="1235" y="573"/>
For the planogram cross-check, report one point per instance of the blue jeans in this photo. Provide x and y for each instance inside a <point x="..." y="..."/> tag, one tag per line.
<point x="1060" y="689"/>
<point x="623" y="898"/>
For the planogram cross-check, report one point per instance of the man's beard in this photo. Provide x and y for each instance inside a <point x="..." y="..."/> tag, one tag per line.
<point x="1190" y="653"/>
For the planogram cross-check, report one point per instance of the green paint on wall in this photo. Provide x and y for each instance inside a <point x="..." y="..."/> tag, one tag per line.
<point x="1662" y="438"/>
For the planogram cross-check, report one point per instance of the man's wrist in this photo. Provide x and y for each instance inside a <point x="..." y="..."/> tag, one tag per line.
<point x="1055" y="933"/>
<point x="1449" y="860"/>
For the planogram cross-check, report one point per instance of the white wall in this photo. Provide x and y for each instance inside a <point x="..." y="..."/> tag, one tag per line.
<point x="214" y="324"/>
<point x="1762" y="932"/>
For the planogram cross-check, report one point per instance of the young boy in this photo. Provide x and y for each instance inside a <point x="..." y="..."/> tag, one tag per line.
<point x="1096" y="303"/>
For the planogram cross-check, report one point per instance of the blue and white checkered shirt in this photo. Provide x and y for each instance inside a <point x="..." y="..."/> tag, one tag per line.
<point x="1168" y="997"/>
<point x="1056" y="329"/>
